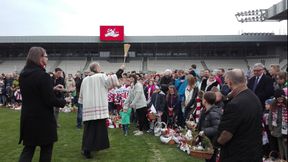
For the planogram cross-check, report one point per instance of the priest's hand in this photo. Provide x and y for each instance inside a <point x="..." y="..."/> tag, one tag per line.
<point x="122" y="66"/>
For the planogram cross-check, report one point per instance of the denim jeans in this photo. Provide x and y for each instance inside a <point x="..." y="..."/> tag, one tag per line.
<point x="125" y="128"/>
<point x="2" y="99"/>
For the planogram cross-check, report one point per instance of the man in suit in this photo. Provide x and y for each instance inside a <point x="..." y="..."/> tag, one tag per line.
<point x="261" y="84"/>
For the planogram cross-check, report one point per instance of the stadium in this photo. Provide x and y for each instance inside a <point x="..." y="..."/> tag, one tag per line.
<point x="74" y="54"/>
<point x="157" y="53"/>
<point x="158" y="107"/>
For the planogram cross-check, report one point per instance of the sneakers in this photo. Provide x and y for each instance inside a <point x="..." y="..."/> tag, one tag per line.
<point x="125" y="133"/>
<point x="139" y="133"/>
<point x="136" y="131"/>
<point x="150" y="131"/>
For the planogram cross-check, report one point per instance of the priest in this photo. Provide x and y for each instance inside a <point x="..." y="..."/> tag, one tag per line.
<point x="94" y="97"/>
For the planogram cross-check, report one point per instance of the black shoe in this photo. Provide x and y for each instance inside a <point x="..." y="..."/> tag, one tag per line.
<point x="86" y="154"/>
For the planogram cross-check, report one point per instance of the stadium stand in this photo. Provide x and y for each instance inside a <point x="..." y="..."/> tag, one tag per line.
<point x="251" y="62"/>
<point x="51" y="65"/>
<point x="269" y="61"/>
<point x="161" y="65"/>
<point x="112" y="67"/>
<point x="9" y="66"/>
<point x="72" y="66"/>
<point x="226" y="64"/>
<point x="283" y="64"/>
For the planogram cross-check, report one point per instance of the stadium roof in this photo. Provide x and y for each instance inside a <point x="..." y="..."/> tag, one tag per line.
<point x="278" y="11"/>
<point x="146" y="39"/>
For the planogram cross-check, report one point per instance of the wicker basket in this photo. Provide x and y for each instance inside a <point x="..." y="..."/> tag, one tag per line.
<point x="189" y="142"/>
<point x="171" y="142"/>
<point x="190" y="123"/>
<point x="201" y="154"/>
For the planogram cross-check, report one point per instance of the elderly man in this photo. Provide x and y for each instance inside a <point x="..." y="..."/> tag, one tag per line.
<point x="261" y="84"/>
<point x="94" y="97"/>
<point x="240" y="130"/>
<point x="166" y="80"/>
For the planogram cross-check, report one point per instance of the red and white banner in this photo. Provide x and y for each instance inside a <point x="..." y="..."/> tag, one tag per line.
<point x="112" y="33"/>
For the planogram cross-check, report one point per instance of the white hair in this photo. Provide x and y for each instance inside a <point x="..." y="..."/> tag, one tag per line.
<point x="167" y="72"/>
<point x="93" y="66"/>
<point x="258" y="65"/>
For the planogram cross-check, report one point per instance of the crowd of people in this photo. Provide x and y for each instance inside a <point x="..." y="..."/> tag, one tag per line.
<point x="243" y="114"/>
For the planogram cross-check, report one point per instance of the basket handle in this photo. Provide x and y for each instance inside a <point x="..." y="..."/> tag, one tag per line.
<point x="165" y="125"/>
<point x="191" y="118"/>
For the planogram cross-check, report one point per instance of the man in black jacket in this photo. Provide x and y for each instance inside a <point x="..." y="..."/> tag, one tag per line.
<point x="58" y="80"/>
<point x="37" y="122"/>
<point x="240" y="129"/>
<point x="261" y="84"/>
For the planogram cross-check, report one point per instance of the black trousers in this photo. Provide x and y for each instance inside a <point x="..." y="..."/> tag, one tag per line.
<point x="28" y="152"/>
<point x="95" y="135"/>
<point x="142" y="119"/>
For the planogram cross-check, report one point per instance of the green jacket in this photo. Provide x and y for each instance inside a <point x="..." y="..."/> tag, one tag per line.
<point x="125" y="116"/>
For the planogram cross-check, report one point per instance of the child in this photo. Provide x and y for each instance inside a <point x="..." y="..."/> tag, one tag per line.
<point x="272" y="141"/>
<point x="174" y="107"/>
<point x="125" y="119"/>
<point x="209" y="119"/>
<point x="278" y="121"/>
<point x="158" y="101"/>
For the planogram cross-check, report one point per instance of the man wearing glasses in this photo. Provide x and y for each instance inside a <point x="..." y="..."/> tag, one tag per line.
<point x="261" y="84"/>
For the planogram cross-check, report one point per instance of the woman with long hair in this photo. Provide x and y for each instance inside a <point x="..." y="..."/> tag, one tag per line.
<point x="37" y="122"/>
<point x="136" y="99"/>
<point x="174" y="113"/>
<point x="191" y="92"/>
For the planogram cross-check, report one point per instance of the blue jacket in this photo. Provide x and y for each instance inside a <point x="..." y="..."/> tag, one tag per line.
<point x="180" y="86"/>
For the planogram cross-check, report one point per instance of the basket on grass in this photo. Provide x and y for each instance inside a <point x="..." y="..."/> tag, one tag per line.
<point x="158" y="127"/>
<point x="201" y="154"/>
<point x="201" y="147"/>
<point x="190" y="123"/>
<point x="167" y="140"/>
<point x="171" y="142"/>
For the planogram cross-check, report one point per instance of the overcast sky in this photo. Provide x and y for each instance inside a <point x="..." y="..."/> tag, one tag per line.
<point x="139" y="17"/>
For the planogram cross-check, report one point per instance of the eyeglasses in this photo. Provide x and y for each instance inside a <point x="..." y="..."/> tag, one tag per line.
<point x="45" y="56"/>
<point x="257" y="70"/>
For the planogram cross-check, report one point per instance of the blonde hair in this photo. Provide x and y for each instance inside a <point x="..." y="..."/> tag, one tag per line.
<point x="191" y="80"/>
<point x="276" y="67"/>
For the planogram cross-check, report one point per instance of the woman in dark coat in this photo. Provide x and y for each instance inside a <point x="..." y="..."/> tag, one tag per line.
<point x="37" y="123"/>
<point x="173" y="109"/>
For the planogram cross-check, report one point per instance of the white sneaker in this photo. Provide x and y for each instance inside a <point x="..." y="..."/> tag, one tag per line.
<point x="138" y="133"/>
<point x="150" y="131"/>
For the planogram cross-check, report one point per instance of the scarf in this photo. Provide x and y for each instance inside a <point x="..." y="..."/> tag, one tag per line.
<point x="236" y="91"/>
<point x="284" y="120"/>
<point x="198" y="109"/>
